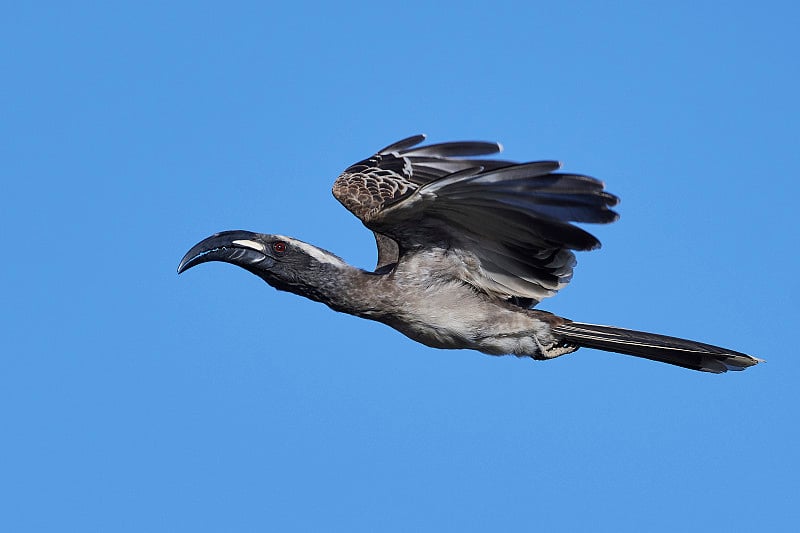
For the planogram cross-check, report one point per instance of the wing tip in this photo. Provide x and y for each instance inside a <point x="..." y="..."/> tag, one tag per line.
<point x="403" y="144"/>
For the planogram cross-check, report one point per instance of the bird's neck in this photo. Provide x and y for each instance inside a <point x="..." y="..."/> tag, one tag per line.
<point x="341" y="287"/>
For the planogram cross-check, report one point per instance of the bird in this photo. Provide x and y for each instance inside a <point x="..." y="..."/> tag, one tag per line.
<point x="467" y="247"/>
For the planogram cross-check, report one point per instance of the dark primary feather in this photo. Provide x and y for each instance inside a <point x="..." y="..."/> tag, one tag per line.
<point x="408" y="142"/>
<point x="447" y="149"/>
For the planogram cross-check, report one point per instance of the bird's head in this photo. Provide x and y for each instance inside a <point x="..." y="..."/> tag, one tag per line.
<point x="283" y="262"/>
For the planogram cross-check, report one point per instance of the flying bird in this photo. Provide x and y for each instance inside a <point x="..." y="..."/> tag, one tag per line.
<point x="467" y="246"/>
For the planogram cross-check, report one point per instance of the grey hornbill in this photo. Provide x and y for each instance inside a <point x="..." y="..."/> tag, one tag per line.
<point x="466" y="247"/>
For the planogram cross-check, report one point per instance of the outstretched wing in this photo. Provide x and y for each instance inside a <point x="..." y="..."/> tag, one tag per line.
<point x="397" y="171"/>
<point x="510" y="222"/>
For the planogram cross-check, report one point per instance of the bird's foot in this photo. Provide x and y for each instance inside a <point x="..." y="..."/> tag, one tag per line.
<point x="551" y="351"/>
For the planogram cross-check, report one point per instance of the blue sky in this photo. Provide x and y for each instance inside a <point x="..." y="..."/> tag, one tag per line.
<point x="132" y="399"/>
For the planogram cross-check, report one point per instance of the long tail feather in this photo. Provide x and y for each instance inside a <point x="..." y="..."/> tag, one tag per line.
<point x="672" y="350"/>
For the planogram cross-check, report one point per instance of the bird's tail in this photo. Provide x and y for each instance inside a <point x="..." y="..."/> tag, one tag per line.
<point x="680" y="352"/>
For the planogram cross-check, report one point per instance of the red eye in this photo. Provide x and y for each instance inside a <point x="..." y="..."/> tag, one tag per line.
<point x="279" y="247"/>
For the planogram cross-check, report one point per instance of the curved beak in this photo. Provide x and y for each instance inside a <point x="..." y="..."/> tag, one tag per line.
<point x="238" y="247"/>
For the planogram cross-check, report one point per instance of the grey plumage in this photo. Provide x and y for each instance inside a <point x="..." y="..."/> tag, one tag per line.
<point x="465" y="247"/>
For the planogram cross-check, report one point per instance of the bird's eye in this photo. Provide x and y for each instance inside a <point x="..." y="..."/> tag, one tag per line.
<point x="279" y="247"/>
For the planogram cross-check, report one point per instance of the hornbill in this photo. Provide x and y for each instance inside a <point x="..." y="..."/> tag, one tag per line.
<point x="466" y="247"/>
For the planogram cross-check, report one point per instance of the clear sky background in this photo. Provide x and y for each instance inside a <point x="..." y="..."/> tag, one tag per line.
<point x="134" y="400"/>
